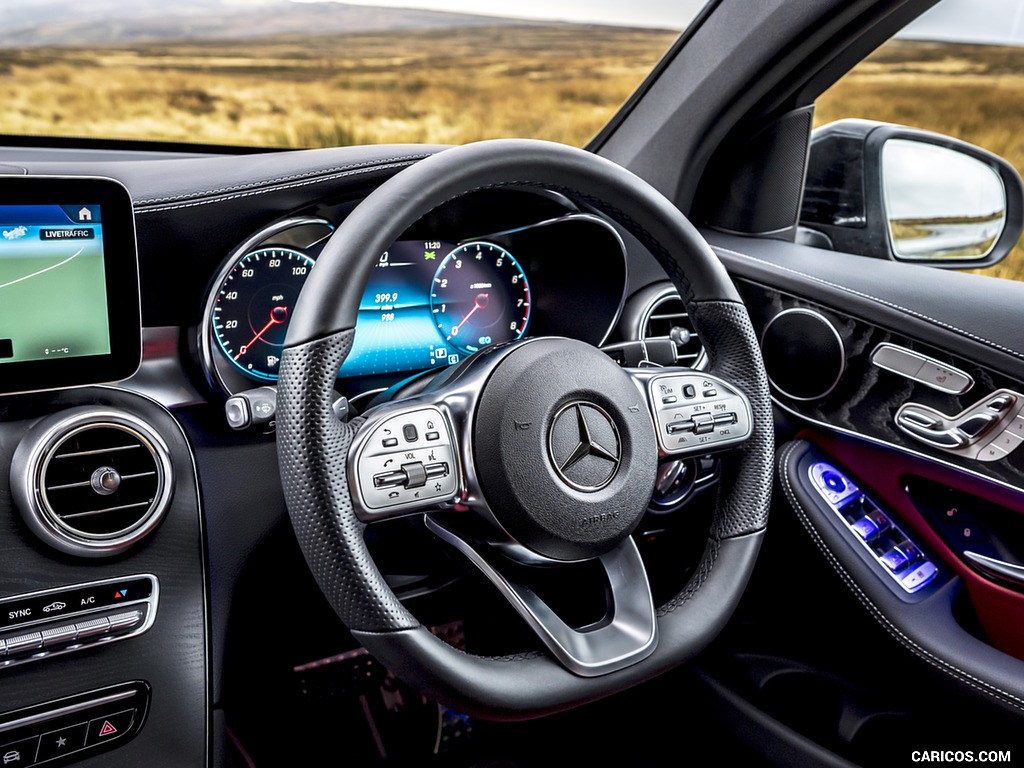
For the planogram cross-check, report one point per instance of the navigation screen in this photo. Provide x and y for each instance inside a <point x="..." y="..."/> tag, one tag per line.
<point x="53" y="291"/>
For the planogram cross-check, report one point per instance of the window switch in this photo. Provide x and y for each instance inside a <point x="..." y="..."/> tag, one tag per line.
<point x="865" y="528"/>
<point x="913" y="553"/>
<point x="894" y="559"/>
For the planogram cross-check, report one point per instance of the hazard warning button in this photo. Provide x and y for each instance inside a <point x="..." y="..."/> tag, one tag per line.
<point x="108" y="728"/>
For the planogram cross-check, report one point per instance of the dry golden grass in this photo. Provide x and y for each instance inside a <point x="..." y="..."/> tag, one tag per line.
<point x="448" y="86"/>
<point x="972" y="92"/>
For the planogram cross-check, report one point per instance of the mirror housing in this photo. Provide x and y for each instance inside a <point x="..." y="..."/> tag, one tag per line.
<point x="892" y="192"/>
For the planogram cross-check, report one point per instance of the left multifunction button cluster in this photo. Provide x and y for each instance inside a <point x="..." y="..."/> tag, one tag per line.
<point x="405" y="460"/>
<point x="41" y="624"/>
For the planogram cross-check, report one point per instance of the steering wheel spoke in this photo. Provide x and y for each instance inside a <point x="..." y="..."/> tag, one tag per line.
<point x="694" y="412"/>
<point x="628" y="632"/>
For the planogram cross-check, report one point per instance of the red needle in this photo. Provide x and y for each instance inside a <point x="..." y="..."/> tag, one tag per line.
<point x="277" y="316"/>
<point x="479" y="303"/>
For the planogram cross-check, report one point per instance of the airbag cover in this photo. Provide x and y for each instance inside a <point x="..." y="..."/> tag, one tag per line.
<point x="564" y="449"/>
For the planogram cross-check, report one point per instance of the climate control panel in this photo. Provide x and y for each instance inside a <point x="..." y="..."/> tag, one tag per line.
<point x="41" y="624"/>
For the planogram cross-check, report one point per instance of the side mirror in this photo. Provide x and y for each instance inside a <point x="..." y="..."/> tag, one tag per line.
<point x="892" y="192"/>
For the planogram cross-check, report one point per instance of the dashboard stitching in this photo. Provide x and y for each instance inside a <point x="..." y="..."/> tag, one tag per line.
<point x="981" y="339"/>
<point x="865" y="600"/>
<point x="158" y="204"/>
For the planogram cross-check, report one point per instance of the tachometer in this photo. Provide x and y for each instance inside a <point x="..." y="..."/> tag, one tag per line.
<point x="252" y="307"/>
<point x="480" y="296"/>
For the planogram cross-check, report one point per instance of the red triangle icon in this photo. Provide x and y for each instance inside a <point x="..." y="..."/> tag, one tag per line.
<point x="107" y="728"/>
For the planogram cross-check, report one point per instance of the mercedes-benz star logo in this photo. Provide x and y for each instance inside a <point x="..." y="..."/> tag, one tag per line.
<point x="584" y="446"/>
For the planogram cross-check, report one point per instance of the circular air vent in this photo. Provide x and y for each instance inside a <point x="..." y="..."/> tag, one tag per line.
<point x="667" y="318"/>
<point x="92" y="482"/>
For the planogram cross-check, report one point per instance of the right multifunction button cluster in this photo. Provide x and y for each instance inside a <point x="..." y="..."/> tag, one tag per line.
<point x="888" y="545"/>
<point x="405" y="460"/>
<point x="697" y="411"/>
<point x="987" y="431"/>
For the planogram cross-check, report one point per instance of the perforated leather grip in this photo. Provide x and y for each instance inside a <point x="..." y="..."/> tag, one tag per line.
<point x="312" y="454"/>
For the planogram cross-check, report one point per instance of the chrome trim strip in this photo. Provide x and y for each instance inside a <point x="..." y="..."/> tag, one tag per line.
<point x="992" y="567"/>
<point x="70" y="709"/>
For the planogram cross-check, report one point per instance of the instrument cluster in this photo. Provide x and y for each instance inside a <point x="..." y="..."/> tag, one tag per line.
<point x="436" y="295"/>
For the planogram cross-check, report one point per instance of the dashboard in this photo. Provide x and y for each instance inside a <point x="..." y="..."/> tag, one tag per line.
<point x="150" y="538"/>
<point x="176" y="619"/>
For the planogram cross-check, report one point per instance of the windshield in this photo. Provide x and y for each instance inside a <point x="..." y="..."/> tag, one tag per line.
<point x="280" y="73"/>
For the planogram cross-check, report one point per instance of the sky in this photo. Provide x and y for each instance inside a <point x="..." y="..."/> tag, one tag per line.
<point x="986" y="21"/>
<point x="668" y="14"/>
<point x="976" y="21"/>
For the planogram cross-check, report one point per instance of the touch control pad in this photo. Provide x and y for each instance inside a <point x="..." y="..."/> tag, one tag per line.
<point x="697" y="411"/>
<point x="407" y="459"/>
<point x="897" y="555"/>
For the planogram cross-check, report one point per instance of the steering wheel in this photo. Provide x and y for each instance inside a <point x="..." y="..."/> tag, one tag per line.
<point x="537" y="451"/>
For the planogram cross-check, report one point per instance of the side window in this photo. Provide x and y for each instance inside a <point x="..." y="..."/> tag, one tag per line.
<point x="958" y="71"/>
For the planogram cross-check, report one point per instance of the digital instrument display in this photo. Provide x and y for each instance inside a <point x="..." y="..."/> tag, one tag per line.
<point x="428" y="304"/>
<point x="251" y="311"/>
<point x="431" y="303"/>
<point x="69" y="311"/>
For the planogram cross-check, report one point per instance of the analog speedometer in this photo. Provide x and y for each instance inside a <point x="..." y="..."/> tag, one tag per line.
<point x="253" y="305"/>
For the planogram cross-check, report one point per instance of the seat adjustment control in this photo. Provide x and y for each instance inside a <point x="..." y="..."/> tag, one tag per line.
<point x="922" y="369"/>
<point x="987" y="431"/>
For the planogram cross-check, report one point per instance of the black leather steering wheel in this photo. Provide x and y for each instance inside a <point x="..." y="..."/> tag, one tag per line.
<point x="543" y="450"/>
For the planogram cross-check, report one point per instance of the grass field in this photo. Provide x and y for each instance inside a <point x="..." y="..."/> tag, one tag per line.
<point x="559" y="82"/>
<point x="447" y="86"/>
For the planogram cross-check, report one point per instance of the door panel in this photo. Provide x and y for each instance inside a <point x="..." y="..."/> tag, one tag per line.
<point x="891" y="670"/>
